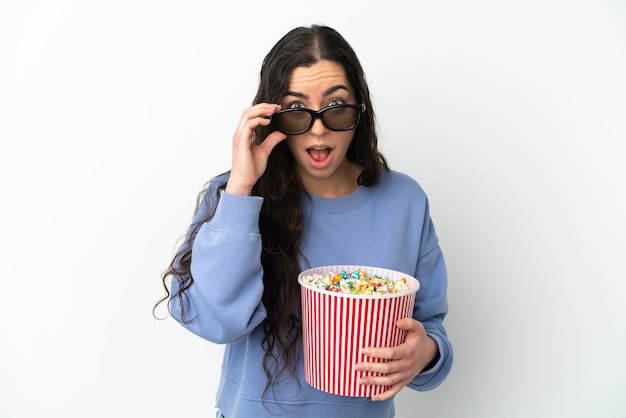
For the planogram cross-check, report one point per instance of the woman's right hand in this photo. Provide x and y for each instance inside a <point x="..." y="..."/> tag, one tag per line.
<point x="249" y="160"/>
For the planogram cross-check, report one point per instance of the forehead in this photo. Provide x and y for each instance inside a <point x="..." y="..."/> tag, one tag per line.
<point x="319" y="76"/>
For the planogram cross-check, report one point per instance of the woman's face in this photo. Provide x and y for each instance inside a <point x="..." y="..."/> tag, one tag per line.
<point x="320" y="153"/>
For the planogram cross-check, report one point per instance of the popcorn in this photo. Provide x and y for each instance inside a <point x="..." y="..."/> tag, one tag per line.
<point x="356" y="283"/>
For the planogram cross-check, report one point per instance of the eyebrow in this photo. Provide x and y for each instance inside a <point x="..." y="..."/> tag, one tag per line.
<point x="327" y="92"/>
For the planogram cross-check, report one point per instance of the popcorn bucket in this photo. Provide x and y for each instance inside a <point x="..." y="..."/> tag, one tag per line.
<point x="336" y="326"/>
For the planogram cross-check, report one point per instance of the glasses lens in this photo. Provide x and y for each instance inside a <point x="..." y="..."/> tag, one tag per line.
<point x="294" y="121"/>
<point x="341" y="118"/>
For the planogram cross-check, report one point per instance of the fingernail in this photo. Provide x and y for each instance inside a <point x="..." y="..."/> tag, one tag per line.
<point x="365" y="351"/>
<point x="358" y="368"/>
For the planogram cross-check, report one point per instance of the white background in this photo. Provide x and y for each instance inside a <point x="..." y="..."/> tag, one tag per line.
<point x="510" y="114"/>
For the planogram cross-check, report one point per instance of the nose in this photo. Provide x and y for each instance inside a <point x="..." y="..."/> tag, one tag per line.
<point x="318" y="127"/>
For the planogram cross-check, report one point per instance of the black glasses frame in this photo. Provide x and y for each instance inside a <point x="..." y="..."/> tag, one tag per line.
<point x="318" y="114"/>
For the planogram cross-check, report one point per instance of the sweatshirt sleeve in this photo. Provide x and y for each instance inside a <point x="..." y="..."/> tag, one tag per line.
<point x="431" y="307"/>
<point x="224" y="301"/>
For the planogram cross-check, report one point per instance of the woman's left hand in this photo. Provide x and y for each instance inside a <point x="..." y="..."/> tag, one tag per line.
<point x="404" y="361"/>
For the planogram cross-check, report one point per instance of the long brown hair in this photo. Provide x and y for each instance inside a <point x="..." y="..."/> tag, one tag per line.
<point x="281" y="219"/>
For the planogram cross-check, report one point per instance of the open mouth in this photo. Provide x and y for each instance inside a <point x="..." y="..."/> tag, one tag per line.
<point x="319" y="154"/>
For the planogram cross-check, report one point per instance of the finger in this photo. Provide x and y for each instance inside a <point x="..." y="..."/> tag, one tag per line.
<point x="386" y="353"/>
<point x="373" y="367"/>
<point x="254" y="116"/>
<point x="261" y="114"/>
<point x="261" y="109"/>
<point x="384" y="368"/>
<point x="395" y="382"/>
<point x="407" y="324"/>
<point x="272" y="140"/>
<point x="384" y="380"/>
<point x="388" y="394"/>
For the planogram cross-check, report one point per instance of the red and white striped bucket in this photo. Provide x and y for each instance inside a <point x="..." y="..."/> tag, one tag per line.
<point x="336" y="326"/>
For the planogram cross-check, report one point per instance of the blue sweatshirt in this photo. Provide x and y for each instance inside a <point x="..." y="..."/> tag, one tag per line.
<point x="386" y="225"/>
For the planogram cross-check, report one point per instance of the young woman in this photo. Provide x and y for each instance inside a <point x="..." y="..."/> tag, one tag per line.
<point x="307" y="187"/>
